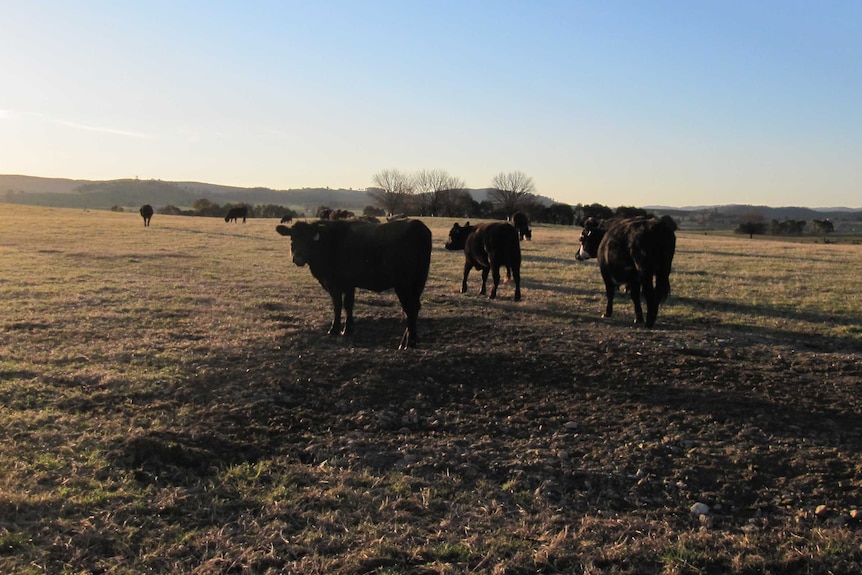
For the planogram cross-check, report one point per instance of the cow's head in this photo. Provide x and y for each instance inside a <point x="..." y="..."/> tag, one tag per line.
<point x="590" y="239"/>
<point x="305" y="240"/>
<point x="458" y="236"/>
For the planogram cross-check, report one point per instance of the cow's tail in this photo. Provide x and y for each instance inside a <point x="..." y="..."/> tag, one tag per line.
<point x="667" y="243"/>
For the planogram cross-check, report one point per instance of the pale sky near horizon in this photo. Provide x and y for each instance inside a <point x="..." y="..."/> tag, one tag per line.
<point x="621" y="102"/>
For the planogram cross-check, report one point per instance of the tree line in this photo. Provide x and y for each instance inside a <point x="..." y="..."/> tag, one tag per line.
<point x="755" y="223"/>
<point x="434" y="193"/>
<point x="206" y="208"/>
<point x="437" y="193"/>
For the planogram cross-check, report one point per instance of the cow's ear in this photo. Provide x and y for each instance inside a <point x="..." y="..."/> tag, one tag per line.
<point x="283" y="230"/>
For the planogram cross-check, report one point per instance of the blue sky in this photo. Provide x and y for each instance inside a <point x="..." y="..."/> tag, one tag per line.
<point x="619" y="102"/>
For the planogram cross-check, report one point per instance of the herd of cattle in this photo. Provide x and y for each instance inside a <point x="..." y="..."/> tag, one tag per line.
<point x="346" y="254"/>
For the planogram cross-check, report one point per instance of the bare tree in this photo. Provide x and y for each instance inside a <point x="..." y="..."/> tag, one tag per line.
<point x="434" y="189"/>
<point x="393" y="192"/>
<point x="511" y="191"/>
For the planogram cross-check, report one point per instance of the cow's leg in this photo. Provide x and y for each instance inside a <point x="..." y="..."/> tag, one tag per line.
<point x="610" y="291"/>
<point x="635" y="290"/>
<point x="349" y="298"/>
<point x="516" y="275"/>
<point x="335" y="328"/>
<point x="410" y="305"/>
<point x="651" y="302"/>
<point x="467" y="267"/>
<point x="484" y="290"/>
<point x="495" y="274"/>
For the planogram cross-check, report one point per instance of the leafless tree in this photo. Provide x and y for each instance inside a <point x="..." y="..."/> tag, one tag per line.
<point x="434" y="190"/>
<point x="511" y="191"/>
<point x="454" y="203"/>
<point x="394" y="190"/>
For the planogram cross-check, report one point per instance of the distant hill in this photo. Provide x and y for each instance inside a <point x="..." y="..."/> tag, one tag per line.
<point x="131" y="193"/>
<point x="31" y="184"/>
<point x="87" y="194"/>
<point x="732" y="213"/>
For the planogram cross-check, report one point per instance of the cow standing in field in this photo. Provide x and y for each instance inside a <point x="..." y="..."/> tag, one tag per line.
<point x="632" y="252"/>
<point x="522" y="224"/>
<point x="487" y="247"/>
<point x="235" y="213"/>
<point x="146" y="213"/>
<point x="347" y="254"/>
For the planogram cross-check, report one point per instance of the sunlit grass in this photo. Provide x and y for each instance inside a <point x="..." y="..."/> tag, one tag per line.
<point x="161" y="389"/>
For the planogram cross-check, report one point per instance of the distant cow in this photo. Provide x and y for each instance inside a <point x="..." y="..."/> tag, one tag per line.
<point x="146" y="213"/>
<point x="347" y="254"/>
<point x="339" y="214"/>
<point x="487" y="247"/>
<point x="365" y="218"/>
<point x="234" y="213"/>
<point x="522" y="224"/>
<point x="286" y="218"/>
<point x="632" y="252"/>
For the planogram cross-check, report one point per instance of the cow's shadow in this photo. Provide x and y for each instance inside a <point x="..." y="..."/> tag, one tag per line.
<point x="721" y="307"/>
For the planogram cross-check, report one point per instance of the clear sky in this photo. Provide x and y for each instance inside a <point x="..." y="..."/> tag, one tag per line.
<point x="619" y="102"/>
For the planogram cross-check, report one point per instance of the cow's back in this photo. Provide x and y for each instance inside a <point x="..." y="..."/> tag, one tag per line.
<point x="383" y="256"/>
<point x="640" y="245"/>
<point x="662" y="238"/>
<point x="497" y="238"/>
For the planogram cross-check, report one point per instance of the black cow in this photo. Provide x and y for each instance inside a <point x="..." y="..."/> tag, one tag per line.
<point x="347" y="254"/>
<point x="234" y="213"/>
<point x="487" y="247"/>
<point x="632" y="252"/>
<point x="286" y="218"/>
<point x="146" y="213"/>
<point x="522" y="224"/>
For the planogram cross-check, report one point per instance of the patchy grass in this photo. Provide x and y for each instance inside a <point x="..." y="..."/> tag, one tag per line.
<point x="170" y="403"/>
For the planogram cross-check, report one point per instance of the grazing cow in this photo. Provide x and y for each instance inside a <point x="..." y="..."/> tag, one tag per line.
<point x="146" y="213"/>
<point x="522" y="224"/>
<point x="632" y="252"/>
<point x="339" y="214"/>
<point x="234" y="213"/>
<point x="487" y="247"/>
<point x="286" y="218"/>
<point x="347" y="254"/>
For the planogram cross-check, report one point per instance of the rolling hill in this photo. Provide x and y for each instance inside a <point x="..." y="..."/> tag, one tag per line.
<point x="131" y="193"/>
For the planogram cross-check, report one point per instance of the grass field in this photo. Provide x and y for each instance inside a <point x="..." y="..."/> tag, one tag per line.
<point x="170" y="403"/>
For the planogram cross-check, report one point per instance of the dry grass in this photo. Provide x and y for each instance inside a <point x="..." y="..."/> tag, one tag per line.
<point x="170" y="403"/>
